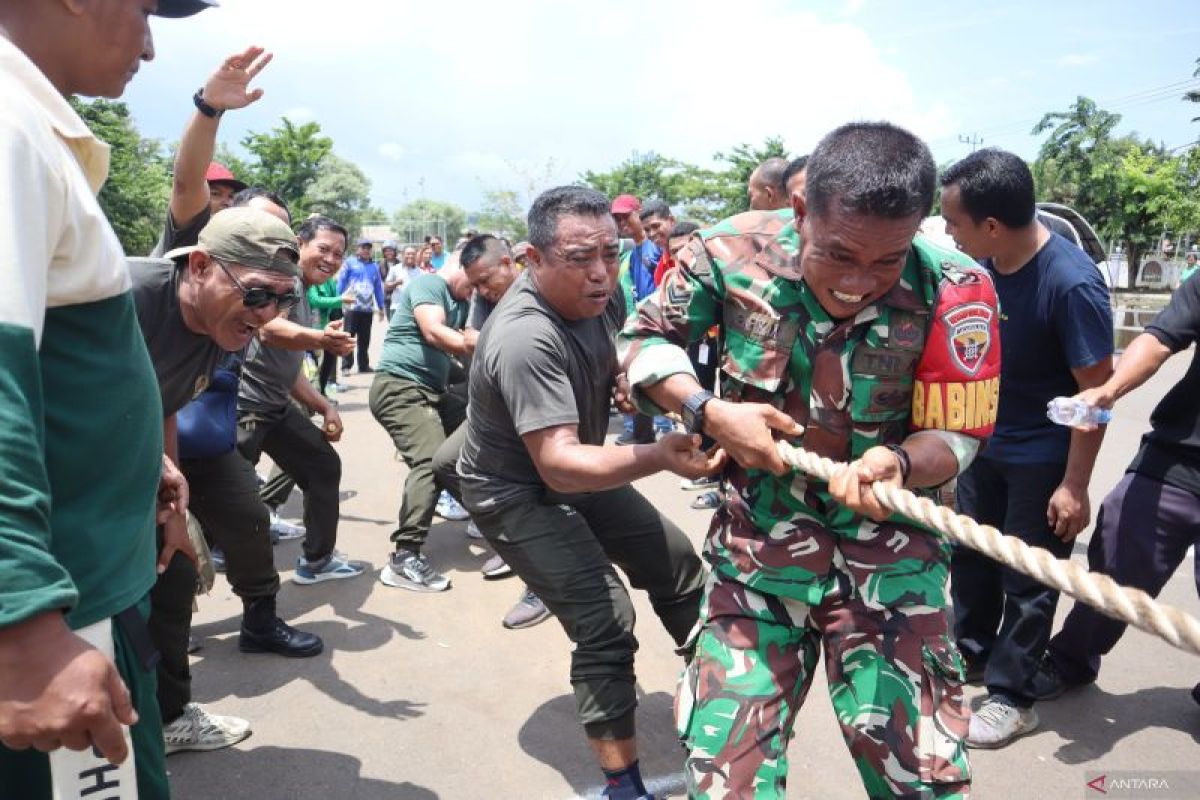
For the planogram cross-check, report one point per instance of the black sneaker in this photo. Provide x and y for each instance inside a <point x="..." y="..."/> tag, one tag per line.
<point x="1049" y="684"/>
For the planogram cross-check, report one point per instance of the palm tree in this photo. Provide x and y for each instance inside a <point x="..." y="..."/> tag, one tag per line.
<point x="1194" y="95"/>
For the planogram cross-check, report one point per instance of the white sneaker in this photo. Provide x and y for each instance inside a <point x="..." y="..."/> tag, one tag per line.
<point x="996" y="724"/>
<point x="473" y="531"/>
<point x="449" y="508"/>
<point x="196" y="729"/>
<point x="282" y="530"/>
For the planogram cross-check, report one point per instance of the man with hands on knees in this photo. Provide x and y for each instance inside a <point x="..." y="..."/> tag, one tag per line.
<point x="845" y="335"/>
<point x="548" y="494"/>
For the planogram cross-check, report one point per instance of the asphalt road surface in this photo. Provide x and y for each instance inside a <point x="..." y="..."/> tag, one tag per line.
<point x="422" y="696"/>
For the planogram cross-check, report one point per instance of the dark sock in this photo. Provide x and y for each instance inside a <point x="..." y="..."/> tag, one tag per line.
<point x="624" y="784"/>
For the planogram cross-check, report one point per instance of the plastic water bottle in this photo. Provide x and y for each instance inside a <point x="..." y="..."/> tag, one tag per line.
<point x="1073" y="413"/>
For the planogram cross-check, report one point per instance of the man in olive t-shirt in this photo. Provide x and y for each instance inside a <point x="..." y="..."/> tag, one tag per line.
<point x="549" y="496"/>
<point x="409" y="399"/>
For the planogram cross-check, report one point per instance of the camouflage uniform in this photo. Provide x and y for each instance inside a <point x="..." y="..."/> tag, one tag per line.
<point x="791" y="567"/>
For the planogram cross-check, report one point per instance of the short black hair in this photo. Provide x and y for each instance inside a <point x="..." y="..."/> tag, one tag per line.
<point x="794" y="168"/>
<point x="994" y="183"/>
<point x="872" y="168"/>
<point x="771" y="172"/>
<point x="553" y="204"/>
<point x="318" y="222"/>
<point x="476" y="248"/>
<point x="654" y="208"/>
<point x="685" y="228"/>
<point x="244" y="197"/>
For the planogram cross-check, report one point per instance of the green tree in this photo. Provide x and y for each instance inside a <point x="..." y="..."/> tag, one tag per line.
<point x="342" y="191"/>
<point x="1194" y="95"/>
<point x="135" y="196"/>
<point x="424" y="217"/>
<point x="503" y="213"/>
<point x="694" y="192"/>
<point x="287" y="160"/>
<point x="742" y="161"/>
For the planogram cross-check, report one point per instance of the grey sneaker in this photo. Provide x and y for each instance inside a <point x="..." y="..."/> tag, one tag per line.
<point x="528" y="611"/>
<point x="496" y="567"/>
<point x="997" y="723"/>
<point x="196" y="729"/>
<point x="333" y="567"/>
<point x="473" y="531"/>
<point x="409" y="570"/>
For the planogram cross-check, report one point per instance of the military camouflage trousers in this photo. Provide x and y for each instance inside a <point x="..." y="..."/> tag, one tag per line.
<point x="895" y="680"/>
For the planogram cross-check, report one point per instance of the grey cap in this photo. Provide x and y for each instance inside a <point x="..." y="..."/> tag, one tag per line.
<point x="249" y="237"/>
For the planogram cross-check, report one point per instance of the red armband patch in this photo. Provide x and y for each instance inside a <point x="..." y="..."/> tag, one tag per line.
<point x="957" y="382"/>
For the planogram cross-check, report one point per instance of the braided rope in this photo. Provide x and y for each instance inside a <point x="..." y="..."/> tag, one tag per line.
<point x="1132" y="606"/>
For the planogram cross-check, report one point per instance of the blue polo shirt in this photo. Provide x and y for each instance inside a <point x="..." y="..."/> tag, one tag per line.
<point x="362" y="278"/>
<point x="1055" y="315"/>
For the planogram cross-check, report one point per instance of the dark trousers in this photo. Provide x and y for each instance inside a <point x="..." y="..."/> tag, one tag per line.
<point x="225" y="501"/>
<point x="1143" y="531"/>
<point x="1001" y="617"/>
<point x="565" y="548"/>
<point x="445" y="462"/>
<point x="358" y="325"/>
<point x="301" y="450"/>
<point x="418" y="419"/>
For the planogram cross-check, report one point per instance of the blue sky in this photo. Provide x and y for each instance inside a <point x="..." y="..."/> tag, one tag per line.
<point x="450" y="99"/>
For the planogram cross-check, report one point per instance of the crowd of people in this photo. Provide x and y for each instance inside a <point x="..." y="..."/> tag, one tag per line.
<point x="137" y="396"/>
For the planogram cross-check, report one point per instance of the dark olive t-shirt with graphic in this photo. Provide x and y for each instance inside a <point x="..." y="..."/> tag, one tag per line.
<point x="533" y="370"/>
<point x="183" y="360"/>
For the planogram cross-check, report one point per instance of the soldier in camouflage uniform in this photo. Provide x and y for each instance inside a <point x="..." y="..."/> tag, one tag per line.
<point x="877" y="348"/>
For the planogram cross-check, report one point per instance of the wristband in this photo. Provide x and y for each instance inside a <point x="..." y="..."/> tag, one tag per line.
<point x="203" y="107"/>
<point x="905" y="462"/>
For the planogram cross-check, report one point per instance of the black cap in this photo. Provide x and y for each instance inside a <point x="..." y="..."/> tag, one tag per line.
<point x="182" y="8"/>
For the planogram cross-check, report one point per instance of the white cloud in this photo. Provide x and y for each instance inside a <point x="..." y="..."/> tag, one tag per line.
<point x="1077" y="59"/>
<point x="480" y="105"/>
<point x="392" y="151"/>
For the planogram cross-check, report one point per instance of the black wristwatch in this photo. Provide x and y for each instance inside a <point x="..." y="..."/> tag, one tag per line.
<point x="905" y="462"/>
<point x="203" y="107"/>
<point x="693" y="411"/>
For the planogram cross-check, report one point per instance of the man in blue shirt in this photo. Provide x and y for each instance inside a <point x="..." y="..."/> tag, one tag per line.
<point x="1031" y="479"/>
<point x="362" y="291"/>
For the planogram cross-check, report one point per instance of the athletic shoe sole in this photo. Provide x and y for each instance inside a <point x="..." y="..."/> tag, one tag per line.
<point x="529" y="623"/>
<point x="1029" y="728"/>
<point x="388" y="577"/>
<point x="254" y="647"/>
<point x="322" y="577"/>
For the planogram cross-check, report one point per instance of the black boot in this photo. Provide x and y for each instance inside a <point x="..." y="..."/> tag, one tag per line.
<point x="264" y="632"/>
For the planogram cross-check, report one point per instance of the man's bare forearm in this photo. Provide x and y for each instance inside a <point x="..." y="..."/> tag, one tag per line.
<point x="287" y="335"/>
<point x="189" y="189"/>
<point x="1144" y="357"/>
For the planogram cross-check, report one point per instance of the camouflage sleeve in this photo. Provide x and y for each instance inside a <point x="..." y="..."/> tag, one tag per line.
<point x="957" y="388"/>
<point x="686" y="304"/>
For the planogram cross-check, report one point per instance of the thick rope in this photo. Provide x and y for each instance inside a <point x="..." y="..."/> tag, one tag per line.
<point x="1132" y="606"/>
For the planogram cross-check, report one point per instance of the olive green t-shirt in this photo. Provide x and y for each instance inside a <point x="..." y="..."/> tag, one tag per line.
<point x="406" y="354"/>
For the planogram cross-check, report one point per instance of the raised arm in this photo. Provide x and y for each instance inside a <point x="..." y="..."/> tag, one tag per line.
<point x="225" y="90"/>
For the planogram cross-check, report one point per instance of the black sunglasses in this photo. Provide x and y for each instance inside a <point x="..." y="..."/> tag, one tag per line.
<point x="258" y="297"/>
